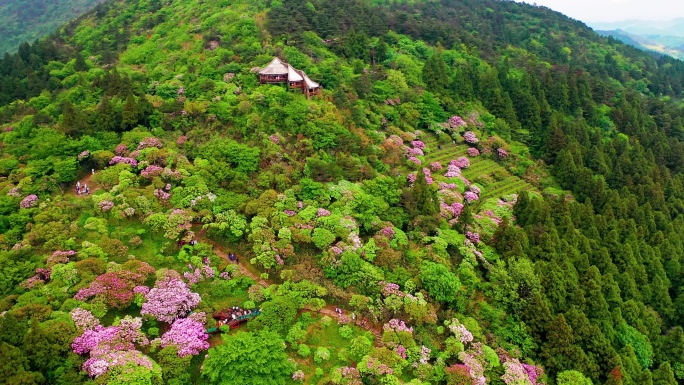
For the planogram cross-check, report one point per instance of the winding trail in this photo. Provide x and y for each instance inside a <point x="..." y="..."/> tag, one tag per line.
<point x="328" y="310"/>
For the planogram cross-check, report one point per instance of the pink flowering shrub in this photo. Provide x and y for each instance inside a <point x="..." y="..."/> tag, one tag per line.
<point x="461" y="162"/>
<point x="29" y="201"/>
<point x="170" y="298"/>
<point x="162" y="195"/>
<point x="472" y="152"/>
<point x="452" y="171"/>
<point x="120" y="159"/>
<point x="418" y="144"/>
<point x="389" y="289"/>
<point x="112" y="287"/>
<point x="274" y="138"/>
<point x="415" y="160"/>
<point x="470" y="196"/>
<point x="188" y="334"/>
<point x="456" y="122"/>
<point x="470" y="137"/>
<point x="105" y="205"/>
<point x="148" y="142"/>
<point x="84" y="319"/>
<point x="193" y="276"/>
<point x="298" y="376"/>
<point x="436" y="166"/>
<point x="121" y="149"/>
<point x="388" y="232"/>
<point x="414" y="152"/>
<point x="15" y="192"/>
<point x="460" y="331"/>
<point x="322" y="212"/>
<point x="503" y="154"/>
<point x="397" y="326"/>
<point x="83" y="155"/>
<point x="289" y="213"/>
<point x="151" y="171"/>
<point x="181" y="139"/>
<point x="515" y="373"/>
<point x="350" y="375"/>
<point x="451" y="211"/>
<point x="475" y="189"/>
<point x="473" y="358"/>
<point x="411" y="178"/>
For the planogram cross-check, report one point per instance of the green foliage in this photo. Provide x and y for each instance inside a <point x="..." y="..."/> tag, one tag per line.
<point x="248" y="358"/>
<point x="440" y="283"/>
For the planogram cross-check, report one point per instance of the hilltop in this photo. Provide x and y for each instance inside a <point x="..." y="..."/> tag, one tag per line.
<point x="489" y="192"/>
<point x="27" y="20"/>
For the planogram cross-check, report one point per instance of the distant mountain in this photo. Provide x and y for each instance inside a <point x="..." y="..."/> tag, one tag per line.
<point x="27" y="20"/>
<point x="666" y="37"/>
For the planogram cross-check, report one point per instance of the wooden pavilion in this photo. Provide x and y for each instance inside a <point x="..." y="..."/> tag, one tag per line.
<point x="279" y="72"/>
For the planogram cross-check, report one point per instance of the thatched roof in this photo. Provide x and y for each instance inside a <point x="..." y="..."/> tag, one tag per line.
<point x="275" y="67"/>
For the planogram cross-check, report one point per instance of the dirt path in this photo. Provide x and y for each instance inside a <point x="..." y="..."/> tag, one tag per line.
<point x="328" y="310"/>
<point x="87" y="180"/>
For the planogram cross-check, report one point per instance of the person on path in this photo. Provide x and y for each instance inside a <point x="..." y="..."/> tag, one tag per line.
<point x="92" y="170"/>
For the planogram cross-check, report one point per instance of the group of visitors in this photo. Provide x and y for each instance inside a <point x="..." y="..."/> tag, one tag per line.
<point x="182" y="243"/>
<point x="84" y="189"/>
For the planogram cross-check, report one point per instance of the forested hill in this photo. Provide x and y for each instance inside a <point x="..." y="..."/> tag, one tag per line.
<point x="27" y="20"/>
<point x="493" y="191"/>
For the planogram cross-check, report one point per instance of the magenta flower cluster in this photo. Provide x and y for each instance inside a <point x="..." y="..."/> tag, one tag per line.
<point x="289" y="213"/>
<point x="396" y="325"/>
<point x="84" y="319"/>
<point x="322" y="212"/>
<point x="418" y="144"/>
<point x="388" y="231"/>
<point x="148" y="142"/>
<point x="456" y="122"/>
<point x="162" y="195"/>
<point x="461" y="162"/>
<point x="121" y="149"/>
<point x="105" y="205"/>
<point x="188" y="334"/>
<point x="181" y="139"/>
<point x="411" y="178"/>
<point x="390" y="288"/>
<point x="503" y="154"/>
<point x="83" y="155"/>
<point x="414" y="152"/>
<point x="470" y="137"/>
<point x="414" y="160"/>
<point x="452" y="171"/>
<point x="472" y="152"/>
<point x="29" y="201"/>
<point x="274" y="138"/>
<point x="151" y="171"/>
<point x="451" y="211"/>
<point x="122" y="159"/>
<point x="470" y="196"/>
<point x="170" y="299"/>
<point x="436" y="166"/>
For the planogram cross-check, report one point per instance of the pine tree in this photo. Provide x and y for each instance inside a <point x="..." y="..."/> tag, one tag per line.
<point x="435" y="74"/>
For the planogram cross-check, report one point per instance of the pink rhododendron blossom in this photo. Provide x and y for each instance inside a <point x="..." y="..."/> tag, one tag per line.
<point x="436" y="166"/>
<point x="188" y="334"/>
<point x="105" y="205"/>
<point x="415" y="160"/>
<point x="298" y="376"/>
<point x="396" y="325"/>
<point x="29" y="201"/>
<point x="388" y="232"/>
<point x="169" y="299"/>
<point x="181" y="139"/>
<point x="472" y="152"/>
<point x="162" y="195"/>
<point x="461" y="162"/>
<point x="151" y="171"/>
<point x="274" y="138"/>
<point x="474" y="189"/>
<point x="120" y="159"/>
<point x="470" y="137"/>
<point x="452" y="171"/>
<point x="83" y="155"/>
<point x="289" y="213"/>
<point x="148" y="142"/>
<point x="411" y="178"/>
<point x="470" y="196"/>
<point x="502" y="153"/>
<point x="84" y="319"/>
<point x="322" y="212"/>
<point x="389" y="289"/>
<point x="456" y="122"/>
<point x="121" y="149"/>
<point x="418" y="144"/>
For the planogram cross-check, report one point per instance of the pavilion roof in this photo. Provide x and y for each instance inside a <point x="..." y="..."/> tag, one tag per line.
<point x="275" y="67"/>
<point x="309" y="83"/>
<point x="293" y="75"/>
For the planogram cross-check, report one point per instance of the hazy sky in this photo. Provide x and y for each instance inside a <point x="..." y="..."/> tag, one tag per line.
<point x="616" y="10"/>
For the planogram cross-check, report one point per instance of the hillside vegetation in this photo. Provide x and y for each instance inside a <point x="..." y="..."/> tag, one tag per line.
<point x="490" y="192"/>
<point x="27" y="20"/>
